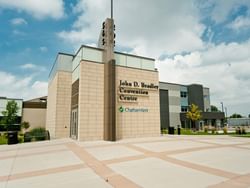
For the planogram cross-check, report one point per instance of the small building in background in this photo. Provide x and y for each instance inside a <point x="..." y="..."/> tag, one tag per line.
<point x="175" y="100"/>
<point x="233" y="122"/>
<point x="34" y="112"/>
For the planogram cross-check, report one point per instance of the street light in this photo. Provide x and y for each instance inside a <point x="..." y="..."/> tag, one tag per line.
<point x="222" y="111"/>
<point x="222" y="106"/>
<point x="226" y="111"/>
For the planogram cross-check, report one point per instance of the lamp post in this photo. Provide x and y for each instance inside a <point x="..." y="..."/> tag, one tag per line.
<point x="222" y="106"/>
<point x="226" y="111"/>
<point x="226" y="116"/>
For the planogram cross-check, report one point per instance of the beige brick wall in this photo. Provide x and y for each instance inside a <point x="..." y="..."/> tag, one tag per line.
<point x="138" y="124"/>
<point x="51" y="107"/>
<point x="91" y="101"/>
<point x="59" y="105"/>
<point x="35" y="116"/>
<point x="91" y="104"/>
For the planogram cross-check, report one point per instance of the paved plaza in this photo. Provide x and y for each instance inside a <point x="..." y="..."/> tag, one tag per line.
<point x="159" y="162"/>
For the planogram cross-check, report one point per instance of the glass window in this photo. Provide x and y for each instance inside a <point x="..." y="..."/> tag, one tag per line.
<point x="184" y="108"/>
<point x="147" y="64"/>
<point x="120" y="59"/>
<point x="183" y="94"/>
<point x="133" y="62"/>
<point x="92" y="54"/>
<point x="206" y="97"/>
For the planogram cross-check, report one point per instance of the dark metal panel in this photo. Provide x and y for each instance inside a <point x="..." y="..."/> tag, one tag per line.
<point x="164" y="109"/>
<point x="34" y="104"/>
<point x="195" y="95"/>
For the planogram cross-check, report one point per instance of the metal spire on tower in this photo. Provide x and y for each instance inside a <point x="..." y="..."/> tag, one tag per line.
<point x="111" y="9"/>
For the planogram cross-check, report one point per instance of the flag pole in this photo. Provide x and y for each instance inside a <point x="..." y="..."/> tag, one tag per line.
<point x="111" y="9"/>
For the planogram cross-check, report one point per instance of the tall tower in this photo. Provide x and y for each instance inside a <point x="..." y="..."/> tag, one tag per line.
<point x="107" y="42"/>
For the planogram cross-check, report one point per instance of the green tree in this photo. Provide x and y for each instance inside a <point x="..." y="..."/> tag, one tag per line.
<point x="236" y="116"/>
<point x="10" y="114"/>
<point x="193" y="114"/>
<point x="214" y="109"/>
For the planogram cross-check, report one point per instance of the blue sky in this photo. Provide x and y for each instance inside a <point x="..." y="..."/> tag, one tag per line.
<point x="31" y="41"/>
<point x="196" y="41"/>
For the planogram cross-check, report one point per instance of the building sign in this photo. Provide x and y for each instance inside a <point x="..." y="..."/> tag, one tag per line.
<point x="128" y="109"/>
<point x="130" y="91"/>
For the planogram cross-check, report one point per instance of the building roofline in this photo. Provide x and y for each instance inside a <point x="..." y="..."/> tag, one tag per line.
<point x="127" y="54"/>
<point x="62" y="53"/>
<point x="85" y="46"/>
<point x="43" y="97"/>
<point x="91" y="47"/>
<point x="172" y="83"/>
<point x="10" y="98"/>
<point x="182" y="84"/>
<point x="100" y="49"/>
<point x="243" y="118"/>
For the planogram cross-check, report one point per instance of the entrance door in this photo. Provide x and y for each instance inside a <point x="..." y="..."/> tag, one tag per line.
<point x="74" y="124"/>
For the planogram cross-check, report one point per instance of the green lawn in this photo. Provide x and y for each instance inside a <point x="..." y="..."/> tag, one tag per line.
<point x="191" y="132"/>
<point x="241" y="135"/>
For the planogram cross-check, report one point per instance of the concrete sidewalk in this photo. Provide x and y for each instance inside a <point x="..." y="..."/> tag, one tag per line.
<point x="166" y="161"/>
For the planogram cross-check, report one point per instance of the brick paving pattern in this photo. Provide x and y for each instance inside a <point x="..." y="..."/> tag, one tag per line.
<point x="166" y="161"/>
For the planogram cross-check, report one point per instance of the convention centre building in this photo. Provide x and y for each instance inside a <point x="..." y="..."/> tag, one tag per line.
<point x="101" y="94"/>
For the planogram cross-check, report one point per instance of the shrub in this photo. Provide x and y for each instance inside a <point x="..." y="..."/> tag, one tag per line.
<point x="3" y="139"/>
<point x="225" y="130"/>
<point x="213" y="130"/>
<point x="243" y="130"/>
<point x="164" y="131"/>
<point x="27" y="137"/>
<point x="238" y="130"/>
<point x="25" y="125"/>
<point x="37" y="134"/>
<point x="20" y="139"/>
<point x="206" y="129"/>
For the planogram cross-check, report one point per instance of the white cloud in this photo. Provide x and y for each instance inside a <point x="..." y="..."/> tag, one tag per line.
<point x="34" y="67"/>
<point x="223" y="68"/>
<point x="222" y="8"/>
<point x="39" y="86"/>
<point x="168" y="28"/>
<point x="18" y="33"/>
<point x="43" y="49"/>
<point x="28" y="66"/>
<point x="240" y="23"/>
<point x="21" y="87"/>
<point x="18" y="21"/>
<point x="164" y="27"/>
<point x="39" y="9"/>
<point x="227" y="53"/>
